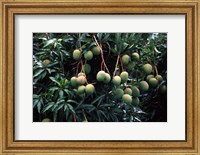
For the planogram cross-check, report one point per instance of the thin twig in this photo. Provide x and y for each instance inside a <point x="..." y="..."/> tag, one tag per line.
<point x="116" y="64"/>
<point x="156" y="69"/>
<point x="122" y="66"/>
<point x="85" y="116"/>
<point x="74" y="117"/>
<point x="100" y="47"/>
<point x="77" y="68"/>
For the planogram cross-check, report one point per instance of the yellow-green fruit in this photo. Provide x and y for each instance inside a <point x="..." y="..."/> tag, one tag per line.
<point x="144" y="86"/>
<point x="127" y="98"/>
<point x="136" y="101"/>
<point x="125" y="59"/>
<point x="46" y="120"/>
<point x="159" y="78"/>
<point x="81" y="80"/>
<point x="77" y="54"/>
<point x="81" y="89"/>
<point x="124" y="76"/>
<point x="107" y="78"/>
<point x="74" y="81"/>
<point x="153" y="82"/>
<point x="88" y="55"/>
<point x="116" y="80"/>
<point x="135" y="56"/>
<point x="147" y="68"/>
<point x="66" y="81"/>
<point x="131" y="66"/>
<point x="128" y="91"/>
<point x="101" y="75"/>
<point x="87" y="68"/>
<point x="89" y="89"/>
<point x="96" y="50"/>
<point x="135" y="91"/>
<point x="163" y="89"/>
<point x="81" y="74"/>
<point x="46" y="62"/>
<point x="119" y="93"/>
<point x="149" y="77"/>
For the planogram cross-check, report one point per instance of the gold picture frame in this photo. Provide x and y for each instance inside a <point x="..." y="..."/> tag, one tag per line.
<point x="9" y="8"/>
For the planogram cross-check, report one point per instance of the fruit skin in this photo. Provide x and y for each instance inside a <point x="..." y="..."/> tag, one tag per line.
<point x="163" y="89"/>
<point x="66" y="81"/>
<point x="136" y="101"/>
<point x="81" y="74"/>
<point x="149" y="77"/>
<point x="144" y="86"/>
<point x="107" y="78"/>
<point x="147" y="68"/>
<point x="159" y="78"/>
<point x="87" y="68"/>
<point x="76" y="54"/>
<point x="46" y="120"/>
<point x="127" y="98"/>
<point x="89" y="89"/>
<point x="153" y="82"/>
<point x="119" y="93"/>
<point x="116" y="80"/>
<point x="46" y="62"/>
<point x="128" y="91"/>
<point x="135" y="56"/>
<point x="88" y="55"/>
<point x="101" y="75"/>
<point x="131" y="66"/>
<point x="73" y="81"/>
<point x="81" y="89"/>
<point x="124" y="76"/>
<point x="135" y="91"/>
<point x="96" y="50"/>
<point x="125" y="59"/>
<point x="81" y="80"/>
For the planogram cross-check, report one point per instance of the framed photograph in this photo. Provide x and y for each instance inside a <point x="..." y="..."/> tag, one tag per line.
<point x="99" y="77"/>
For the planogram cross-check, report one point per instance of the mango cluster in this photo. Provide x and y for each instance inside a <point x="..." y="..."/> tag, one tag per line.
<point x="88" y="55"/>
<point x="80" y="83"/>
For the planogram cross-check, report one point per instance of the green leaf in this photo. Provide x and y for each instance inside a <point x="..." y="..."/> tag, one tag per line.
<point x="53" y="89"/>
<point x="71" y="108"/>
<point x="59" y="107"/>
<point x="72" y="101"/>
<point x="118" y="38"/>
<point x="60" y="101"/>
<point x="48" y="107"/>
<point x="53" y="64"/>
<point x="55" y="115"/>
<point x="69" y="93"/>
<point x="39" y="106"/>
<point x="65" y="107"/>
<point x="54" y="80"/>
<point x="38" y="73"/>
<point x="106" y="37"/>
<point x="49" y="42"/>
<point x="89" y="107"/>
<point x="99" y="35"/>
<point x="67" y="113"/>
<point x="97" y="99"/>
<point x="43" y="74"/>
<point x="50" y="70"/>
<point x="61" y="94"/>
<point x="35" y="102"/>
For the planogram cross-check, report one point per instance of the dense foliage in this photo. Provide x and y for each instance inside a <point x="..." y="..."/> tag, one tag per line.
<point x="99" y="77"/>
